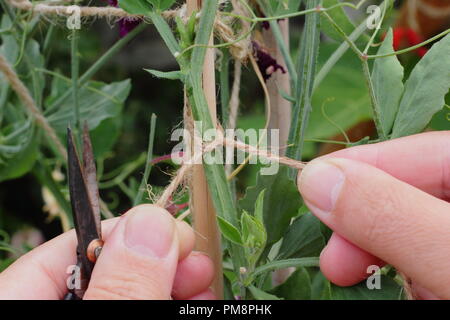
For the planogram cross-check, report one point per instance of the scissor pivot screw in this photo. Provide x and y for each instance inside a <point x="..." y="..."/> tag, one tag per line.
<point x="94" y="249"/>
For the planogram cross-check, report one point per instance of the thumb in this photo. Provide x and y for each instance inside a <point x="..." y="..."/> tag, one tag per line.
<point x="394" y="221"/>
<point x="139" y="258"/>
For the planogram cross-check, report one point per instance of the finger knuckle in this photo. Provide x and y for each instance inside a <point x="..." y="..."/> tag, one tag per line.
<point x="127" y="285"/>
<point x="381" y="216"/>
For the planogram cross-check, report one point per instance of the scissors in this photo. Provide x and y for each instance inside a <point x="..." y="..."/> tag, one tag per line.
<point x="84" y="198"/>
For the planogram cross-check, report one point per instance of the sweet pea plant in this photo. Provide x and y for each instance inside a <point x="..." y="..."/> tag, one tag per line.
<point x="264" y="226"/>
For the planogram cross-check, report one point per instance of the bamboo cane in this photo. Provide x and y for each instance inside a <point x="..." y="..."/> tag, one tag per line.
<point x="205" y="224"/>
<point x="280" y="113"/>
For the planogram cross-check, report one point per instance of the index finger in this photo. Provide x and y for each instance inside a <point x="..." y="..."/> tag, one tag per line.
<point x="422" y="160"/>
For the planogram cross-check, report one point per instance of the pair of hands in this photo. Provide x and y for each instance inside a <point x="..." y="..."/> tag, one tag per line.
<point x="386" y="202"/>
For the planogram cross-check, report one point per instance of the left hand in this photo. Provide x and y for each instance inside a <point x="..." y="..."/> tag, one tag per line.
<point x="147" y="255"/>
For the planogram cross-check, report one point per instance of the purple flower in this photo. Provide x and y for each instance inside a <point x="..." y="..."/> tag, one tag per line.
<point x="266" y="63"/>
<point x="265" y="25"/>
<point x="126" y="25"/>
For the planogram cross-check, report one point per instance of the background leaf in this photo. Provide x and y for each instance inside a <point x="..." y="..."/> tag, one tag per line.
<point x="142" y="7"/>
<point x="170" y="75"/>
<point x="320" y="286"/>
<point x="296" y="287"/>
<point x="98" y="101"/>
<point x="161" y="4"/>
<point x="390" y="290"/>
<point x="350" y="100"/>
<point x="425" y="90"/>
<point x="21" y="162"/>
<point x="303" y="238"/>
<point x="340" y="17"/>
<point x="279" y="7"/>
<point x="258" y="294"/>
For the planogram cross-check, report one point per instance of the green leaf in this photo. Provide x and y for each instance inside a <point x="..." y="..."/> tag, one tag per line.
<point x="340" y="17"/>
<point x="303" y="238"/>
<point x="6" y="263"/>
<point x="229" y="231"/>
<point x="258" y="294"/>
<point x="141" y="7"/>
<point x="165" y="32"/>
<point x="259" y="207"/>
<point x="205" y="28"/>
<point x="390" y="290"/>
<point x="287" y="263"/>
<point x="161" y="4"/>
<point x="98" y="101"/>
<point x="9" y="48"/>
<point x="441" y="120"/>
<point x="387" y="77"/>
<point x="32" y="59"/>
<point x="425" y="90"/>
<point x="296" y="287"/>
<point x="281" y="202"/>
<point x="170" y="75"/>
<point x="320" y="286"/>
<point x="254" y="237"/>
<point x="286" y="96"/>
<point x="105" y="135"/>
<point x="253" y="233"/>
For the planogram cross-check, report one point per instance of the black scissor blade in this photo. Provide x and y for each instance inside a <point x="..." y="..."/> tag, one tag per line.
<point x="90" y="174"/>
<point x="83" y="213"/>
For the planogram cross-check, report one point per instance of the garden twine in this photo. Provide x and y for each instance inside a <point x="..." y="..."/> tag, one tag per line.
<point x="239" y="49"/>
<point x="223" y="141"/>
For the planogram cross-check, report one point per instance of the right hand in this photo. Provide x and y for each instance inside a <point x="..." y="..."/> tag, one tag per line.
<point x="385" y="202"/>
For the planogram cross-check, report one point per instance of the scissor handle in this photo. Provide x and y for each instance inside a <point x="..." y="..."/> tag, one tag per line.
<point x="71" y="296"/>
<point x="81" y="281"/>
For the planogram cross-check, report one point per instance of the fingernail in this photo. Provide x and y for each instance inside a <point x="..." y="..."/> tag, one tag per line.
<point x="150" y="232"/>
<point x="320" y="184"/>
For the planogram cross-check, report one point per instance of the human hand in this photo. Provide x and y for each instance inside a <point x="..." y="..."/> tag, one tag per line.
<point x="385" y="202"/>
<point x="147" y="255"/>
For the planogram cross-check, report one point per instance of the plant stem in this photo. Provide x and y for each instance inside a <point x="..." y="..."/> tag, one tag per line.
<point x="309" y="48"/>
<point x="48" y="41"/>
<point x="366" y="71"/>
<point x="99" y="64"/>
<point x="375" y="105"/>
<point x="337" y="55"/>
<point x="396" y="53"/>
<point x="351" y="44"/>
<point x="148" y="165"/>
